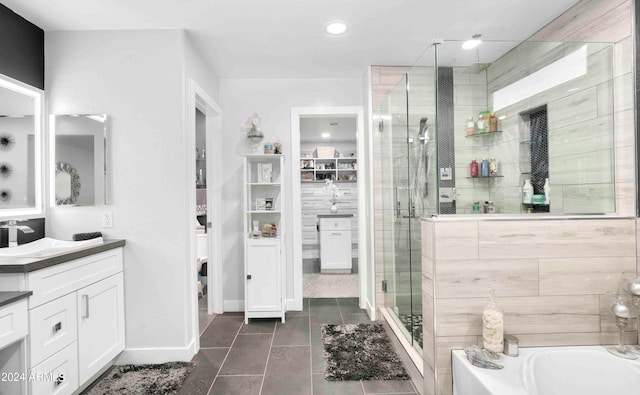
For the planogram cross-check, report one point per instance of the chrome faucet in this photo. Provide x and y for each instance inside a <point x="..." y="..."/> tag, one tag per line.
<point x="13" y="227"/>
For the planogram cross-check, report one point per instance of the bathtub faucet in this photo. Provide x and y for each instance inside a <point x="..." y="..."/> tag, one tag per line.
<point x="13" y="228"/>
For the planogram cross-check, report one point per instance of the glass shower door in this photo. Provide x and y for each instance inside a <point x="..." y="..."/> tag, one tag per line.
<point x="402" y="152"/>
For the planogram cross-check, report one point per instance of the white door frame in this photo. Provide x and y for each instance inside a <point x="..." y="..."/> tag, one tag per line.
<point x="199" y="99"/>
<point x="364" y="265"/>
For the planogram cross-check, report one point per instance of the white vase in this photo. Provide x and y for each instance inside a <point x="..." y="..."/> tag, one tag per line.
<point x="334" y="209"/>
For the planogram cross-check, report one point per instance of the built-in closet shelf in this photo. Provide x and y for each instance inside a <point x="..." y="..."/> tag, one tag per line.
<point x="264" y="212"/>
<point x="484" y="178"/>
<point x="266" y="184"/>
<point x="323" y="181"/>
<point x="321" y="169"/>
<point x="484" y="134"/>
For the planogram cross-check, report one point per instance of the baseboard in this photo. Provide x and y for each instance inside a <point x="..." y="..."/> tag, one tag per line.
<point x="291" y="305"/>
<point x="370" y="309"/>
<point x="233" y="305"/>
<point x="156" y="355"/>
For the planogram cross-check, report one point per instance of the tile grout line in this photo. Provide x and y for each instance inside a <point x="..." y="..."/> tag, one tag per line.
<point x="266" y="365"/>
<point x="225" y="357"/>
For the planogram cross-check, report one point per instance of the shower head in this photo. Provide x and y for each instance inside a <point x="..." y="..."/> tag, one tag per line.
<point x="423" y="134"/>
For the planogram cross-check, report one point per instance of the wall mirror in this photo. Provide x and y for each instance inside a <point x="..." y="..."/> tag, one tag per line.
<point x="78" y="164"/>
<point x="20" y="149"/>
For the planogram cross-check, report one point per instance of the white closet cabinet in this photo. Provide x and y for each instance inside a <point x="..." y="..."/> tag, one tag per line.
<point x="264" y="292"/>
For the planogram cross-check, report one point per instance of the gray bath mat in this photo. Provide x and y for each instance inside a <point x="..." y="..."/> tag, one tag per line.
<point x="360" y="352"/>
<point x="159" y="379"/>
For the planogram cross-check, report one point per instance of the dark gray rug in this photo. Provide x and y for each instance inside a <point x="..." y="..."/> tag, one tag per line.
<point x="158" y="379"/>
<point x="360" y="352"/>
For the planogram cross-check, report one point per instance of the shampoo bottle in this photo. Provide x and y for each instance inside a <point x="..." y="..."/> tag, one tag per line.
<point x="492" y="327"/>
<point x="527" y="192"/>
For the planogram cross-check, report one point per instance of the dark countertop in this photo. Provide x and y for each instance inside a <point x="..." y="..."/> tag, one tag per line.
<point x="26" y="265"/>
<point x="335" y="215"/>
<point x="8" y="297"/>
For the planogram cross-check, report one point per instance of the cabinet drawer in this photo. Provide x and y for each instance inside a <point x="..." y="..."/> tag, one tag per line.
<point x="56" y="281"/>
<point x="331" y="224"/>
<point x="57" y="375"/>
<point x="52" y="327"/>
<point x="13" y="322"/>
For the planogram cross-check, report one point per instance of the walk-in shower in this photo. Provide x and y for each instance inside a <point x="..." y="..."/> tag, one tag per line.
<point x="423" y="150"/>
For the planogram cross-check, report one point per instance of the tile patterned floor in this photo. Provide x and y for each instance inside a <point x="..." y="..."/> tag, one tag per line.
<point x="267" y="357"/>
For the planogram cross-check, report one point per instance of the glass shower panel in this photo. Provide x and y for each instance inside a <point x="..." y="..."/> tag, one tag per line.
<point x="397" y="202"/>
<point x="406" y="155"/>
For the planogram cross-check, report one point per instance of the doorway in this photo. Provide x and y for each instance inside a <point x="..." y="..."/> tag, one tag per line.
<point x="319" y="167"/>
<point x="204" y="220"/>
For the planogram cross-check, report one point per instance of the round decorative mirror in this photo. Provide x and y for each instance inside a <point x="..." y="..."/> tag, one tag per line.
<point x="67" y="184"/>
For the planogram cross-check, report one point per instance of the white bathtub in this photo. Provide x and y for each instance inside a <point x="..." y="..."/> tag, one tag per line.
<point x="588" y="370"/>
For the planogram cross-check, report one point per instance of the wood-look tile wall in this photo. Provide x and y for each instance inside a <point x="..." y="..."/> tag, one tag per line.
<point x="551" y="279"/>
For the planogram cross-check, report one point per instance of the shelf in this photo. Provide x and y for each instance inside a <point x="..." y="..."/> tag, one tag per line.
<point x="266" y="184"/>
<point x="264" y="156"/>
<point x="323" y="181"/>
<point x="483" y="134"/>
<point x="484" y="178"/>
<point x="263" y="212"/>
<point x="201" y="187"/>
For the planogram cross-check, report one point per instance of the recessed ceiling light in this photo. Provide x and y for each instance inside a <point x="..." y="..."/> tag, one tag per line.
<point x="474" y="42"/>
<point x="336" y="28"/>
<point x="325" y="135"/>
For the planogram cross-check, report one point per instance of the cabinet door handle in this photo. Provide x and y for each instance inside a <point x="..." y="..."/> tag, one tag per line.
<point x="85" y="306"/>
<point x="248" y="277"/>
<point x="57" y="327"/>
<point x="336" y="233"/>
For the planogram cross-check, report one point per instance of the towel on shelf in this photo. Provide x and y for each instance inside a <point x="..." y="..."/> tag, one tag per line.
<point x="86" y="236"/>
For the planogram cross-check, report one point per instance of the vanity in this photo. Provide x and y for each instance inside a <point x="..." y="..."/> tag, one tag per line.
<point x="72" y="315"/>
<point x="335" y="243"/>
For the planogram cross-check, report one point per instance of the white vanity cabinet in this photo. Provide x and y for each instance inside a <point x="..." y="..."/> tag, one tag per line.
<point x="335" y="243"/>
<point x="76" y="321"/>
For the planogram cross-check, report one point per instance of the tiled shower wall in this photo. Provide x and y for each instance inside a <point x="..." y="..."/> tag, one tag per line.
<point x="551" y="279"/>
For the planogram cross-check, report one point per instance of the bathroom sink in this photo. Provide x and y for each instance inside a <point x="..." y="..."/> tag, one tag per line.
<point x="46" y="247"/>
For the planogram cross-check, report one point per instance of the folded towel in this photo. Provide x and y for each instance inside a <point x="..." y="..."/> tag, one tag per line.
<point x="86" y="236"/>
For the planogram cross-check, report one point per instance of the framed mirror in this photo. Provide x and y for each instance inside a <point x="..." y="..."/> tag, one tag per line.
<point x="78" y="164"/>
<point x="21" y="150"/>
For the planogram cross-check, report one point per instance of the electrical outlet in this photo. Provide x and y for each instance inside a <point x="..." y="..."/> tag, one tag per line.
<point x="107" y="219"/>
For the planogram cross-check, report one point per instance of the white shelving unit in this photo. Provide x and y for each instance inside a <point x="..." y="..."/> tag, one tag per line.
<point x="264" y="290"/>
<point x="320" y="169"/>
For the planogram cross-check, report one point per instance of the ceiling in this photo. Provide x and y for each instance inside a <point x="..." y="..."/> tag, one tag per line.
<point x="340" y="129"/>
<point x="285" y="38"/>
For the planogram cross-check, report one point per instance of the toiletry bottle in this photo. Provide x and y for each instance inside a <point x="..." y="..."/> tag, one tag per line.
<point x="480" y="126"/>
<point x="547" y="191"/>
<point x="483" y="122"/>
<point x="489" y="208"/>
<point x="493" y="122"/>
<point x="492" y="327"/>
<point x="484" y="168"/>
<point x="473" y="168"/>
<point x="476" y="207"/>
<point x="527" y="192"/>
<point x="471" y="126"/>
<point x="493" y="167"/>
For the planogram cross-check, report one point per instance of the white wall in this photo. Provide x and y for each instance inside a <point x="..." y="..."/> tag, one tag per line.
<point x="273" y="100"/>
<point x="138" y="78"/>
